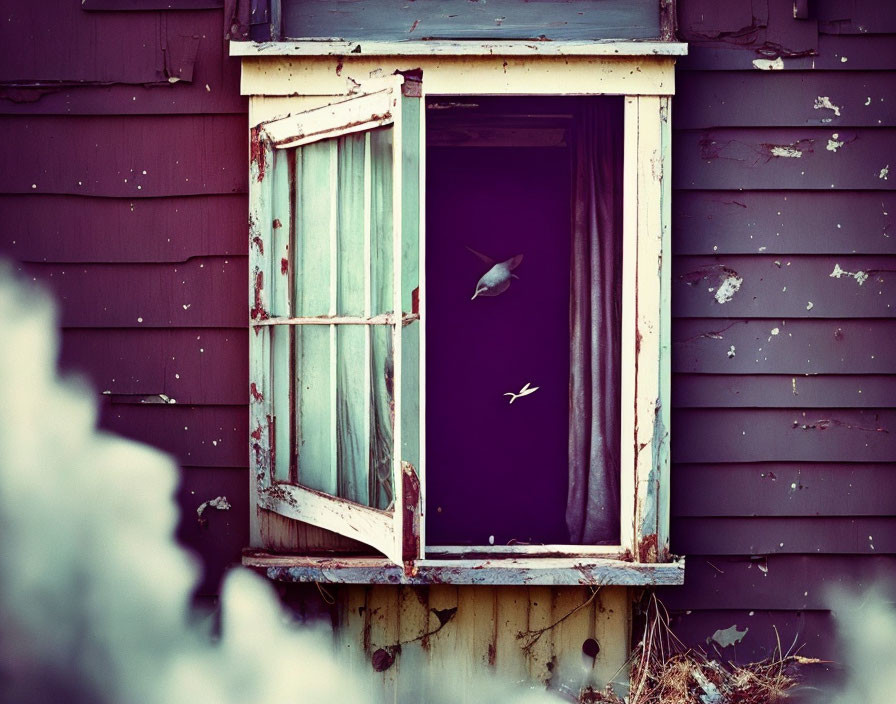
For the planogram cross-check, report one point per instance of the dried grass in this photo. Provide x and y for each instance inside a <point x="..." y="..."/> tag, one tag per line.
<point x="665" y="671"/>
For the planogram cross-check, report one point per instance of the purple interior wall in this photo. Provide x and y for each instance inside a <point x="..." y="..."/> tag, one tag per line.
<point x="783" y="386"/>
<point x="124" y="190"/>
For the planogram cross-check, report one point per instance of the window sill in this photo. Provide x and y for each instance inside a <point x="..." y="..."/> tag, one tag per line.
<point x="458" y="48"/>
<point x="520" y="571"/>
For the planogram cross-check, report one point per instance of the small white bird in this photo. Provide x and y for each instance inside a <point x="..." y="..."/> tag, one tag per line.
<point x="525" y="391"/>
<point x="497" y="279"/>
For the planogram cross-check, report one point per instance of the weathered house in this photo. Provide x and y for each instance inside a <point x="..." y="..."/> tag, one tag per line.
<point x="165" y="160"/>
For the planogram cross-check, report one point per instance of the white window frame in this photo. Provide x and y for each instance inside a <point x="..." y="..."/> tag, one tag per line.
<point x="284" y="77"/>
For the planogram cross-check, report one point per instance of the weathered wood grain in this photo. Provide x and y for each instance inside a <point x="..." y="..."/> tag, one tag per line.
<point x="501" y="19"/>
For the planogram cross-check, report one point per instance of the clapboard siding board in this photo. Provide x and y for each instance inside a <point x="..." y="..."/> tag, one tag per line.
<point x="772" y="536"/>
<point x="782" y="391"/>
<point x="783" y="99"/>
<point x="837" y="346"/>
<point x="197" y="436"/>
<point x="213" y="88"/>
<point x="783" y="489"/>
<point x="126" y="157"/>
<point x="786" y="582"/>
<point x="214" y="92"/>
<point x="791" y="286"/>
<point x="201" y="293"/>
<point x="55" y="41"/>
<point x="73" y="229"/>
<point x="814" y="632"/>
<point x="382" y="20"/>
<point x="784" y="222"/>
<point x="834" y="53"/>
<point x="199" y="366"/>
<point x="856" y="17"/>
<point x="779" y="435"/>
<point x="218" y="535"/>
<point x="776" y="158"/>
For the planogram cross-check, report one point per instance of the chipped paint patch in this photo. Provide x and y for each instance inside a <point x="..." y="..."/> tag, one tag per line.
<point x="219" y="502"/>
<point x="769" y="64"/>
<point x="884" y="172"/>
<point x="728" y="636"/>
<point x="729" y="286"/>
<point x="860" y="276"/>
<point x="824" y="102"/>
<point x="833" y="143"/>
<point x="731" y="352"/>
<point x="788" y="152"/>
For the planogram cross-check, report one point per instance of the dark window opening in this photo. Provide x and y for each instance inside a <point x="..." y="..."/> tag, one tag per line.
<point x="496" y="470"/>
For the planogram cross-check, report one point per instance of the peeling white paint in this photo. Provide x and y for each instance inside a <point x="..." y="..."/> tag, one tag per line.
<point x="860" y="276"/>
<point x="823" y="101"/>
<point x="843" y="59"/>
<point x="220" y="502"/>
<point x="884" y="172"/>
<point x="810" y="305"/>
<point x="769" y="64"/>
<point x="868" y="101"/>
<point x="728" y="636"/>
<point x="786" y="152"/>
<point x="834" y="144"/>
<point x="731" y="352"/>
<point x="776" y="331"/>
<point x="728" y="288"/>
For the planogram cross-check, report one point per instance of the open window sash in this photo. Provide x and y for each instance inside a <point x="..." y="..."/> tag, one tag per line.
<point x="334" y="309"/>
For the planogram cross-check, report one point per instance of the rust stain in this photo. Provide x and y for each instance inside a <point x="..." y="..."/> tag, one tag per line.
<point x="648" y="548"/>
<point x="339" y="66"/>
<point x="256" y="434"/>
<point x="258" y="242"/>
<point x="256" y="395"/>
<point x="284" y="266"/>
<point x="258" y="312"/>
<point x="414" y="26"/>
<point x="257" y="152"/>
<point x="277" y="224"/>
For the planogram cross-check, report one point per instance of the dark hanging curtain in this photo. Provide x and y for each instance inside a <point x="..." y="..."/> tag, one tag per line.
<point x="592" y="511"/>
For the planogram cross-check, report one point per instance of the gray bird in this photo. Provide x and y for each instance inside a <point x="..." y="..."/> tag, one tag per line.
<point x="497" y="279"/>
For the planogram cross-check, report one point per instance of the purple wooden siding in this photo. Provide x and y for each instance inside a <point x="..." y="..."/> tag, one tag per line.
<point x="125" y="192"/>
<point x="784" y="376"/>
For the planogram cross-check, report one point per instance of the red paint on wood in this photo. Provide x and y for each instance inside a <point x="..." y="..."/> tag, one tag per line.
<point x="258" y="312"/>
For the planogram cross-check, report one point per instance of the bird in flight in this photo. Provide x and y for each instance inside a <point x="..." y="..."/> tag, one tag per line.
<point x="525" y="391"/>
<point x="496" y="280"/>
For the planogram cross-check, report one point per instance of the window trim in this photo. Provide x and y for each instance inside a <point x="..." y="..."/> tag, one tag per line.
<point x="647" y="82"/>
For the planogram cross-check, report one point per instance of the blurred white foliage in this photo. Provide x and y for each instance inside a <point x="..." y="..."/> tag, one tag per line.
<point x="94" y="591"/>
<point x="867" y="628"/>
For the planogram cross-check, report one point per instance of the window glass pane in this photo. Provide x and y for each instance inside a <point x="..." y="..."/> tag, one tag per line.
<point x="382" y="409"/>
<point x="315" y="434"/>
<point x="381" y="263"/>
